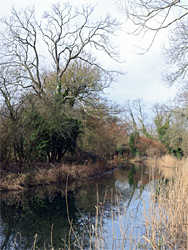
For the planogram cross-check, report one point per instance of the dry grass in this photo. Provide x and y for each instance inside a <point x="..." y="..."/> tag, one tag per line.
<point x="165" y="161"/>
<point x="170" y="161"/>
<point x="167" y="164"/>
<point x="167" y="223"/>
<point x="19" y="178"/>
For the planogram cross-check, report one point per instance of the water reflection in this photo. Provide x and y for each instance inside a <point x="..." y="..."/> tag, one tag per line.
<point x="25" y="214"/>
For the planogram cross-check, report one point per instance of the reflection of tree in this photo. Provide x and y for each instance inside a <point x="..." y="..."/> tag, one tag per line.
<point x="86" y="199"/>
<point x="136" y="177"/>
<point x="33" y="214"/>
<point x="30" y="215"/>
<point x="36" y="216"/>
<point x="6" y="229"/>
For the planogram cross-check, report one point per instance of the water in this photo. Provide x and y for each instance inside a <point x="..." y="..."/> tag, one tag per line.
<point x="41" y="218"/>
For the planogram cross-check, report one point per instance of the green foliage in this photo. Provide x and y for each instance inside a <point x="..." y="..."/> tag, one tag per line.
<point x="178" y="152"/>
<point x="52" y="136"/>
<point x="120" y="149"/>
<point x="163" y="135"/>
<point x="38" y="135"/>
<point x="148" y="135"/>
<point x="131" y="174"/>
<point x="138" y="154"/>
<point x="132" y="142"/>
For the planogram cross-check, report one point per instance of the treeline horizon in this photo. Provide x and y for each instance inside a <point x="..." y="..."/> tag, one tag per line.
<point x="56" y="110"/>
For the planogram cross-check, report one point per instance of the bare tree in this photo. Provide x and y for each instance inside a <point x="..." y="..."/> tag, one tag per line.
<point x="153" y="15"/>
<point x="82" y="84"/>
<point x="10" y="90"/>
<point x="63" y="35"/>
<point x="176" y="55"/>
<point x="138" y="107"/>
<point x="162" y="115"/>
<point x="137" y="115"/>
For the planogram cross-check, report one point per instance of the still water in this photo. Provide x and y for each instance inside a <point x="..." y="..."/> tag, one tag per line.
<point x="102" y="213"/>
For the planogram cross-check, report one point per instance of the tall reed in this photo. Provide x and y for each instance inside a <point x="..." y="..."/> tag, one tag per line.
<point x="167" y="216"/>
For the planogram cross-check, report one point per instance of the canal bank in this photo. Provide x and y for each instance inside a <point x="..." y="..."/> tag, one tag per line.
<point x="16" y="177"/>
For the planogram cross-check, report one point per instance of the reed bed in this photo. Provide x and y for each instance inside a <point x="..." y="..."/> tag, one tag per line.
<point x="167" y="216"/>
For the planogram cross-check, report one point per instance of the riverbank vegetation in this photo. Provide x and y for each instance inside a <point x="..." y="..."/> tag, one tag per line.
<point x="22" y="178"/>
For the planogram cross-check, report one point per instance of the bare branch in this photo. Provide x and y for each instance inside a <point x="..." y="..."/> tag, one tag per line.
<point x="152" y="15"/>
<point x="64" y="35"/>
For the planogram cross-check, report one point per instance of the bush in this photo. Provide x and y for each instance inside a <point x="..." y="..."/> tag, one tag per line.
<point x="41" y="132"/>
<point x="150" y="147"/>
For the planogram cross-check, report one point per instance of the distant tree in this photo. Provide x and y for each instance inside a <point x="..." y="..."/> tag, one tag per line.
<point x="151" y="148"/>
<point x="141" y="116"/>
<point x="162" y="122"/>
<point x="133" y="130"/>
<point x="172" y="122"/>
<point x="134" y="112"/>
<point x="133" y="140"/>
<point x="103" y="134"/>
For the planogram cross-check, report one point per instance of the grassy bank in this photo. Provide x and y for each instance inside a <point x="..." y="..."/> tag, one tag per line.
<point x="19" y="178"/>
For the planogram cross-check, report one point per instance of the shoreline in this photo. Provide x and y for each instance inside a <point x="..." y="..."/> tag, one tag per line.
<point x="16" y="178"/>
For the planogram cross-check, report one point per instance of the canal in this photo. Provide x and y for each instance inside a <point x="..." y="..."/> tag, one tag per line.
<point x="105" y="212"/>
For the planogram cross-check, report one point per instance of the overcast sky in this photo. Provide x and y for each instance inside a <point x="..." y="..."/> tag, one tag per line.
<point x="143" y="78"/>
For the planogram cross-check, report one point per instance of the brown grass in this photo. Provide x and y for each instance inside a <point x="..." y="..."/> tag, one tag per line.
<point x="170" y="161"/>
<point x="24" y="177"/>
<point x="167" y="223"/>
<point x="167" y="164"/>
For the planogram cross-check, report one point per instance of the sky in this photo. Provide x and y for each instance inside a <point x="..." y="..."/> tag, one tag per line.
<point x="143" y="72"/>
